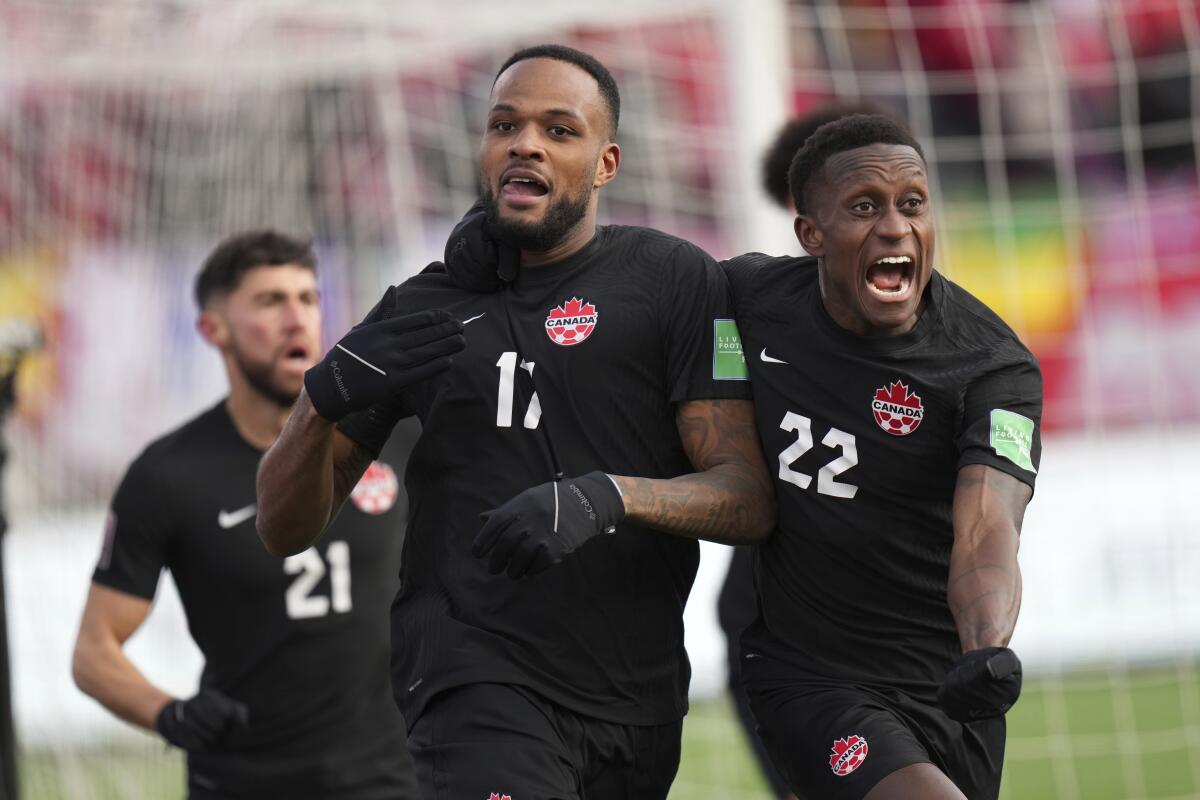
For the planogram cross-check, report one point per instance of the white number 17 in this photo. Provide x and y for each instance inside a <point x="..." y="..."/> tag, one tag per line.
<point x="504" y="399"/>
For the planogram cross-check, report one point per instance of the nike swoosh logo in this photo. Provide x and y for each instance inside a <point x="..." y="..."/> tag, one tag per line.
<point x="763" y="355"/>
<point x="231" y="519"/>
<point x="472" y="319"/>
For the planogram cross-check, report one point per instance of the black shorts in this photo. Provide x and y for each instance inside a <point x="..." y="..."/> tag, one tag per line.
<point x="835" y="742"/>
<point x="498" y="741"/>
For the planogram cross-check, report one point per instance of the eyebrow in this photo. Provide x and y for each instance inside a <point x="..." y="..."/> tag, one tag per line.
<point x="549" y="112"/>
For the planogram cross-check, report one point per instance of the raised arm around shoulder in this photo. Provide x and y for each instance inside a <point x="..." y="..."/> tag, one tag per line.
<point x="99" y="665"/>
<point x="729" y="499"/>
<point x="984" y="587"/>
<point x="304" y="478"/>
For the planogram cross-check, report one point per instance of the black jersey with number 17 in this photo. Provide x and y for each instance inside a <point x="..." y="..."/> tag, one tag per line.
<point x="576" y="366"/>
<point x="866" y="436"/>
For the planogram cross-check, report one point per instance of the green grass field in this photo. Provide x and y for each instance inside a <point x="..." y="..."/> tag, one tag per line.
<point x="1103" y="735"/>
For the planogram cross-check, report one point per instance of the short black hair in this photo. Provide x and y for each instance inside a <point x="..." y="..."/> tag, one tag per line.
<point x="847" y="133"/>
<point x="588" y="63"/>
<point x="235" y="256"/>
<point x="791" y="138"/>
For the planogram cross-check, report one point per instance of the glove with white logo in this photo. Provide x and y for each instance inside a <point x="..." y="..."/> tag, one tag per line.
<point x="202" y="723"/>
<point x="380" y="356"/>
<point x="536" y="529"/>
<point x="982" y="684"/>
<point x="475" y="258"/>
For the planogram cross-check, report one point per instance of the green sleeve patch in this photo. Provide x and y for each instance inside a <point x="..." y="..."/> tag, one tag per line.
<point x="1012" y="437"/>
<point x="729" y="363"/>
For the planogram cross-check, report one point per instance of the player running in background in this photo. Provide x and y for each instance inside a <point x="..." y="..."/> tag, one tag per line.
<point x="737" y="604"/>
<point x="903" y="415"/>
<point x="294" y="700"/>
<point x="607" y="355"/>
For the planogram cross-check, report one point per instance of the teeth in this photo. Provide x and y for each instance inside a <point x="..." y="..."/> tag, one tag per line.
<point x="894" y="260"/>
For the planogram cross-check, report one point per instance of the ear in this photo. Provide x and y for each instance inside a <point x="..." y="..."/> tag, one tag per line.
<point x="213" y="327"/>
<point x="809" y="235"/>
<point x="609" y="163"/>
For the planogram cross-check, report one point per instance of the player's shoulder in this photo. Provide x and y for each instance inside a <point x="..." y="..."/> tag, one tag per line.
<point x="973" y="325"/>
<point x="749" y="272"/>
<point x="163" y="455"/>
<point x="652" y="247"/>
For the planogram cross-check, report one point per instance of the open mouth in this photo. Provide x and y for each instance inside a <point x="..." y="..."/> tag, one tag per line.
<point x="296" y="354"/>
<point x="523" y="185"/>
<point x="891" y="277"/>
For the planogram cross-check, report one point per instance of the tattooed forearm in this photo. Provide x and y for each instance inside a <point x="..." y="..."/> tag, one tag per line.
<point x="347" y="471"/>
<point x="984" y="586"/>
<point x="720" y="505"/>
<point x="729" y="499"/>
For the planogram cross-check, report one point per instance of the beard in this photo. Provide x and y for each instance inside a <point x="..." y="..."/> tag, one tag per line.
<point x="260" y="378"/>
<point x="558" y="221"/>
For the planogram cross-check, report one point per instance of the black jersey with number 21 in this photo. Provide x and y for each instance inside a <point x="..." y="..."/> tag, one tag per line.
<point x="302" y="641"/>
<point x="866" y="436"/>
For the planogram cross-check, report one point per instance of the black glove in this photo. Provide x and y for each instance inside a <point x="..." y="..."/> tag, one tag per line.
<point x="380" y="356"/>
<point x="476" y="259"/>
<point x="537" y="528"/>
<point x="202" y="723"/>
<point x="982" y="684"/>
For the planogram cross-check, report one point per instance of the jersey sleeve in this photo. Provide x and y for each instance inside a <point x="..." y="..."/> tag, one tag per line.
<point x="136" y="533"/>
<point x="371" y="427"/>
<point x="1002" y="417"/>
<point x="703" y="346"/>
<point x="740" y="272"/>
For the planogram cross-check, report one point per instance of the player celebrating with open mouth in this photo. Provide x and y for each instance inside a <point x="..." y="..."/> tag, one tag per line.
<point x="904" y="415"/>
<point x="538" y="633"/>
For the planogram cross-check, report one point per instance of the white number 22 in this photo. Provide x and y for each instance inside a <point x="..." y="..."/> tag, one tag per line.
<point x="309" y="568"/>
<point x="826" y="483"/>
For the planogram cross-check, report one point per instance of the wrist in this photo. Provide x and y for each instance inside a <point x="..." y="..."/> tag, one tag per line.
<point x="606" y="497"/>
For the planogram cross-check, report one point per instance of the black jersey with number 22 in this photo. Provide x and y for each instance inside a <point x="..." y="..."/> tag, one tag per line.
<point x="866" y="437"/>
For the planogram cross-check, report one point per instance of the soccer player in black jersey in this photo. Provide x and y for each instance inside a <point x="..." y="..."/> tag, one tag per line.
<point x="903" y="416"/>
<point x="596" y="424"/>
<point x="294" y="700"/>
<point x="737" y="604"/>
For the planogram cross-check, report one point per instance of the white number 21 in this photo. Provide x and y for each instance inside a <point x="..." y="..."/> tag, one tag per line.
<point x="309" y="568"/>
<point x="826" y="483"/>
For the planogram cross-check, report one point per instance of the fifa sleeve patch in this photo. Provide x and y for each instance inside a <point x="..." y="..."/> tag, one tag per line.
<point x="729" y="362"/>
<point x="1012" y="437"/>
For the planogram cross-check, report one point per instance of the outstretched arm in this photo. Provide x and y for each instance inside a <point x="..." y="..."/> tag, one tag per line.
<point x="984" y="588"/>
<point x="729" y="499"/>
<point x="304" y="479"/>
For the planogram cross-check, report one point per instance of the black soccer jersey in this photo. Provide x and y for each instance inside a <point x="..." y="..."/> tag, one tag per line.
<point x="866" y="436"/>
<point x="578" y="364"/>
<point x="302" y="641"/>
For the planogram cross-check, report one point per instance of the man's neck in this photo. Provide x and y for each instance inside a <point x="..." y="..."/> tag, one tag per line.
<point x="257" y="419"/>
<point x="571" y="244"/>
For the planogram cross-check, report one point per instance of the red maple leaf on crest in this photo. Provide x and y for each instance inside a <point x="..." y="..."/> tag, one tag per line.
<point x="500" y="796"/>
<point x="848" y="754"/>
<point x="899" y="394"/>
<point x="575" y="307"/>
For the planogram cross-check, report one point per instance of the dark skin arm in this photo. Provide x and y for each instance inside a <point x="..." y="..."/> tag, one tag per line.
<point x="729" y="499"/>
<point x="304" y="479"/>
<point x="984" y="589"/>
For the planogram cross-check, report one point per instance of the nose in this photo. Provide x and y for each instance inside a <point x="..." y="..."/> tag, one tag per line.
<point x="526" y="144"/>
<point x="893" y="225"/>
<point x="296" y="314"/>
